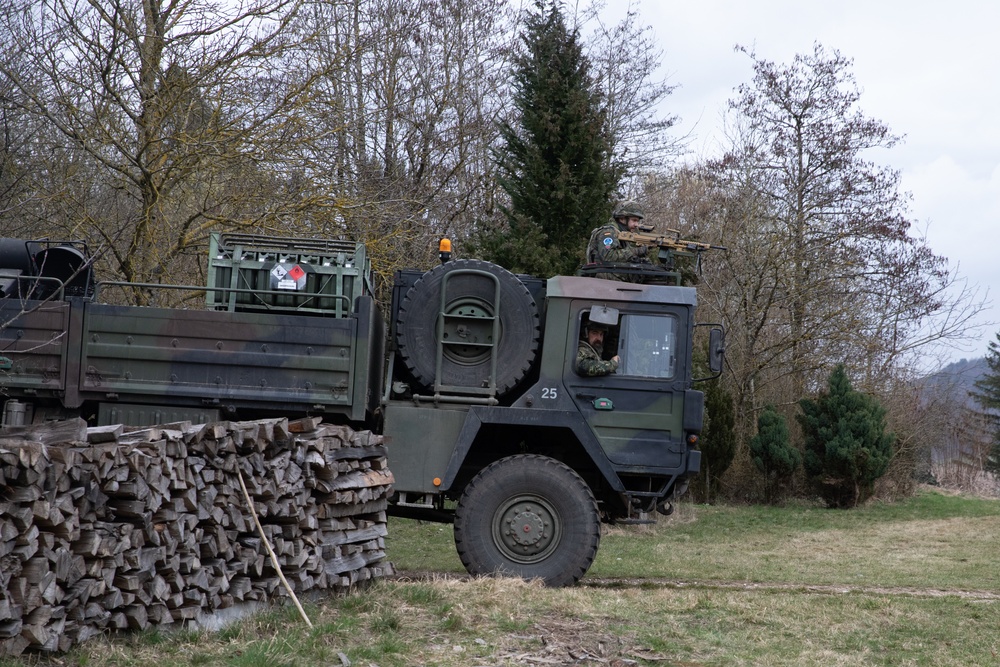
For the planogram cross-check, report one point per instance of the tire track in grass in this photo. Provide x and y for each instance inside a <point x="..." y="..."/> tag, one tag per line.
<point x="634" y="582"/>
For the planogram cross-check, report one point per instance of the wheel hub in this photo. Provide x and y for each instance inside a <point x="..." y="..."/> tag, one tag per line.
<point x="467" y="332"/>
<point x="526" y="529"/>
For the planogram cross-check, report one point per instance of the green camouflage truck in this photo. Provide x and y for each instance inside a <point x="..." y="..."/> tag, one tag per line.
<point x="471" y="375"/>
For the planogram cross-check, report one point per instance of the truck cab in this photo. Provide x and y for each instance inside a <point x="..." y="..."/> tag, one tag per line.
<point x="527" y="476"/>
<point x="645" y="416"/>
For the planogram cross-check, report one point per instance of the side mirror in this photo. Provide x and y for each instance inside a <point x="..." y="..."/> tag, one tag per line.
<point x="716" y="350"/>
<point x="604" y="315"/>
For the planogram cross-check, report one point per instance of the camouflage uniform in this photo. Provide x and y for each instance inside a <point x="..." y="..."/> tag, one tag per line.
<point x="605" y="247"/>
<point x="590" y="364"/>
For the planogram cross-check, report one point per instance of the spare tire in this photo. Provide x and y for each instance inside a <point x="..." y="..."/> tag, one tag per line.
<point x="469" y="308"/>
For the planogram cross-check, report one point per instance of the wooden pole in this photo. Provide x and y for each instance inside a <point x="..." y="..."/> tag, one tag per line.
<point x="270" y="551"/>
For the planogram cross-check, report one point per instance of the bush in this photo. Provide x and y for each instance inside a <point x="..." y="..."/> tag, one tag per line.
<point x="773" y="454"/>
<point x="846" y="444"/>
<point x="718" y="440"/>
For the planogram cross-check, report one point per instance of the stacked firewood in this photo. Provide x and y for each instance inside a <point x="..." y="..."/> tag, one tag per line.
<point x="111" y="529"/>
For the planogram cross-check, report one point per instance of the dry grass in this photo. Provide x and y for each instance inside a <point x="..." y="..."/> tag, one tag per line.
<point x="955" y="477"/>
<point x="463" y="623"/>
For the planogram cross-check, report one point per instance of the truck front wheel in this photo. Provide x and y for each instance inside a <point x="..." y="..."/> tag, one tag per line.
<point x="528" y="516"/>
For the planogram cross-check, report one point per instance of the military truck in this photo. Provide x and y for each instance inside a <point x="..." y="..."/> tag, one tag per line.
<point x="471" y="376"/>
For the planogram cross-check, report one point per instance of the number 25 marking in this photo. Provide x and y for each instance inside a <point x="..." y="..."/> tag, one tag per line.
<point x="550" y="393"/>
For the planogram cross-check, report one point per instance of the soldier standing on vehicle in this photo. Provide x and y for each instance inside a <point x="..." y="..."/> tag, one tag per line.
<point x="605" y="246"/>
<point x="590" y="355"/>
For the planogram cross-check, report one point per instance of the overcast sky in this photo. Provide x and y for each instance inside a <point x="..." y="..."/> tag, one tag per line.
<point x="929" y="70"/>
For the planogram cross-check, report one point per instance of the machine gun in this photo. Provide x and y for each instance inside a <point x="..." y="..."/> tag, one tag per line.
<point x="669" y="246"/>
<point x="664" y="269"/>
<point x="669" y="243"/>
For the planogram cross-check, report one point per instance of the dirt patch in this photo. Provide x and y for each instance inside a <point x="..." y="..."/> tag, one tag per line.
<point x="558" y="642"/>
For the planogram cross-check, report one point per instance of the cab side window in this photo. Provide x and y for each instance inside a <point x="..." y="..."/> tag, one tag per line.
<point x="648" y="346"/>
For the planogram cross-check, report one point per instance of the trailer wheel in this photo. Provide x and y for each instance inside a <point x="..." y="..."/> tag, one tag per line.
<point x="469" y="305"/>
<point x="528" y="516"/>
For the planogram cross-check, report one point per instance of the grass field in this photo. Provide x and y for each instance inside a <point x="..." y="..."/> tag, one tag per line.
<point x="909" y="583"/>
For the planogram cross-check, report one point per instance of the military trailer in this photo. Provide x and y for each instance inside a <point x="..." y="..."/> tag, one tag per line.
<point x="472" y="377"/>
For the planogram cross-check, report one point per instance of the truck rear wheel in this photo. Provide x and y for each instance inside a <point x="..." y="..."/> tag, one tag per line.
<point x="470" y="304"/>
<point x="528" y="516"/>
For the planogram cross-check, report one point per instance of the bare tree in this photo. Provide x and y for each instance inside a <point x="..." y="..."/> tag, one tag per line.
<point x="140" y="127"/>
<point x="16" y="136"/>
<point x="163" y="119"/>
<point x="406" y="114"/>
<point x="823" y="266"/>
<point x="847" y="279"/>
<point x="626" y="58"/>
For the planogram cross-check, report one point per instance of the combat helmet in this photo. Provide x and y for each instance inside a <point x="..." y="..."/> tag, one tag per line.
<point x="629" y="209"/>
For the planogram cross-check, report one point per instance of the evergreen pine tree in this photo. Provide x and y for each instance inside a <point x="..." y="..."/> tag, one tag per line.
<point x="718" y="439"/>
<point x="773" y="454"/>
<point x="987" y="395"/>
<point x="555" y="164"/>
<point x="846" y="445"/>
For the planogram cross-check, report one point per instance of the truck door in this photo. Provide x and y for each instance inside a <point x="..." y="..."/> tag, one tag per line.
<point x="637" y="411"/>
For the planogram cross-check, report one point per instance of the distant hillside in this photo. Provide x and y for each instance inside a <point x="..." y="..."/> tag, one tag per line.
<point x="958" y="378"/>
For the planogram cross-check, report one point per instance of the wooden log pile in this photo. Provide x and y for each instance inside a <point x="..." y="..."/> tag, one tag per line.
<point x="112" y="529"/>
